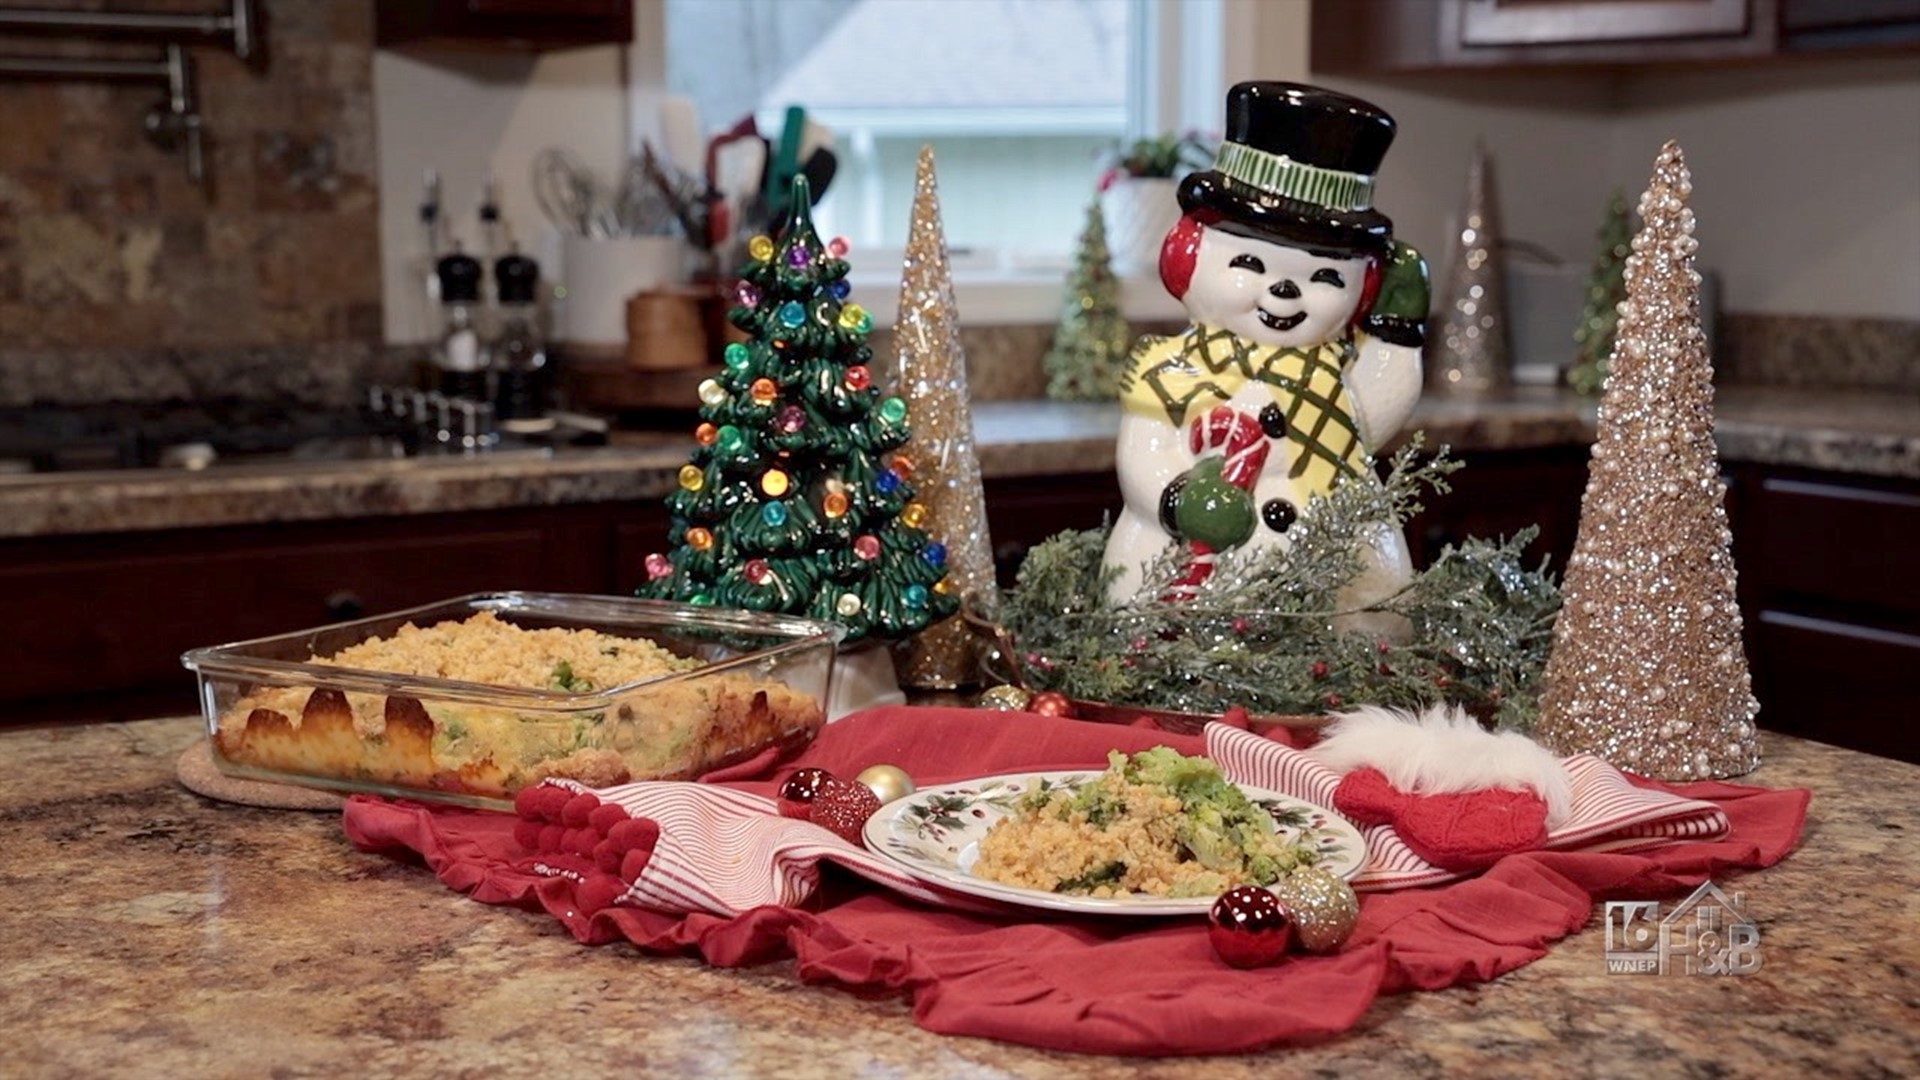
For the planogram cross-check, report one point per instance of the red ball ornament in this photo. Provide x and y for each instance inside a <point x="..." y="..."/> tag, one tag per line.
<point x="1250" y="927"/>
<point x="858" y="377"/>
<point x="838" y="247"/>
<point x="799" y="790"/>
<point x="757" y="571"/>
<point x="1051" y="703"/>
<point x="1319" y="669"/>
<point x="843" y="809"/>
<point x="867" y="548"/>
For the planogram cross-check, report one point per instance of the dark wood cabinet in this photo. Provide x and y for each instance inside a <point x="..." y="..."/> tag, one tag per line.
<point x="1497" y="493"/>
<point x="1022" y="511"/>
<point x="1361" y="37"/>
<point x="1830" y="590"/>
<point x="97" y="623"/>
<point x="524" y="25"/>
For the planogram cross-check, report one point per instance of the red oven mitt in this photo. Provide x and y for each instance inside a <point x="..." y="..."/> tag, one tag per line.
<point x="1459" y="831"/>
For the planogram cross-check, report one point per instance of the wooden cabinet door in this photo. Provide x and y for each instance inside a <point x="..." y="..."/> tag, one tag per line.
<point x="109" y="615"/>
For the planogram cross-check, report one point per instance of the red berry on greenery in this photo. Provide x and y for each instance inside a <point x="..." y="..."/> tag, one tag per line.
<point x="1319" y="669"/>
<point x="843" y="809"/>
<point x="1333" y="701"/>
<point x="1240" y="626"/>
<point x="1250" y="927"/>
<point x="1383" y="646"/>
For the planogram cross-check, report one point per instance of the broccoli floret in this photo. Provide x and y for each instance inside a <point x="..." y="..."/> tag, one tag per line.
<point x="1087" y="882"/>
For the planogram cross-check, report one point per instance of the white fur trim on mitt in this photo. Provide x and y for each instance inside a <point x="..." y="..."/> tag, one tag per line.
<point x="1443" y="750"/>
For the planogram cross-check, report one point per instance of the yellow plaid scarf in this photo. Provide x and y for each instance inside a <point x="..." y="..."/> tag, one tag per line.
<point x="1179" y="378"/>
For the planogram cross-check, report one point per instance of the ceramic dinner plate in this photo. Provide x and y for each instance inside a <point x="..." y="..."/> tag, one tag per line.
<point x="934" y="834"/>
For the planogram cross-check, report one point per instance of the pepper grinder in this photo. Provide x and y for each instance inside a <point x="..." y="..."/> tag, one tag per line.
<point x="460" y="354"/>
<point x="520" y="350"/>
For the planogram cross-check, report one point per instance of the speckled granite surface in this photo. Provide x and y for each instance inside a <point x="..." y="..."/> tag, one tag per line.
<point x="149" y="932"/>
<point x="1867" y="432"/>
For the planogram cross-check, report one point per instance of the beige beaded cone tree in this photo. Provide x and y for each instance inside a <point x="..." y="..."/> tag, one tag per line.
<point x="929" y="370"/>
<point x="1647" y="669"/>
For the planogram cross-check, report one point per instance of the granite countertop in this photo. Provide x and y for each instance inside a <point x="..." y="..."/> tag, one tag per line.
<point x="1867" y="433"/>
<point x="151" y="932"/>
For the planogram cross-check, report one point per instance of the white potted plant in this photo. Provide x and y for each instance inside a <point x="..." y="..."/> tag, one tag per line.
<point x="1137" y="196"/>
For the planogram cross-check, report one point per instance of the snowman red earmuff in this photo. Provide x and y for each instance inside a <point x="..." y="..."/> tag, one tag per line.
<point x="1180" y="252"/>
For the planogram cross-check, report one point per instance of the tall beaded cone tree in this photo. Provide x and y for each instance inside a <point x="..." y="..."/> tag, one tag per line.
<point x="1606" y="287"/>
<point x="1647" y="669"/>
<point x="930" y="370"/>
<point x="1092" y="342"/>
<point x="792" y="501"/>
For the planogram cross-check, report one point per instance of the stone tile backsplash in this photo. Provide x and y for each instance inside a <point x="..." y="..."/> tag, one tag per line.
<point x="112" y="260"/>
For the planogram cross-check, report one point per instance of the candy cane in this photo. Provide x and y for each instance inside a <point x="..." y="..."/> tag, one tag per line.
<point x="1245" y="445"/>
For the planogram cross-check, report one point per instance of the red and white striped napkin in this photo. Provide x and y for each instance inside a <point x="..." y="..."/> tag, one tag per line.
<point x="1607" y="814"/>
<point x="718" y="850"/>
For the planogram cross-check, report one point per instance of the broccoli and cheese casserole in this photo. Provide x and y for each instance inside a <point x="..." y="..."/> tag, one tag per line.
<point x="661" y="728"/>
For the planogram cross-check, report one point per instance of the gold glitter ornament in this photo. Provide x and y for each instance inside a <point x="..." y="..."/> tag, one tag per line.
<point x="1470" y="354"/>
<point x="929" y="372"/>
<point x="761" y="248"/>
<point x="889" y="782"/>
<point x="1004" y="699"/>
<point x="691" y="478"/>
<point x="1647" y="669"/>
<point x="1324" y="908"/>
<point x="775" y="482"/>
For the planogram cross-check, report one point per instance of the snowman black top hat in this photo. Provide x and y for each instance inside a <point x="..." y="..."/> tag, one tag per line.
<point x="1297" y="166"/>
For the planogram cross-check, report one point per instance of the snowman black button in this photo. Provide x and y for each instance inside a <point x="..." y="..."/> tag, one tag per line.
<point x="1274" y="422"/>
<point x="1169" y="501"/>
<point x="1279" y="514"/>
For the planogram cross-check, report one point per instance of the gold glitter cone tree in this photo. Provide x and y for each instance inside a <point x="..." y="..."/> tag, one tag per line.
<point x="930" y="372"/>
<point x="1092" y="342"/>
<point x="1471" y="353"/>
<point x="1647" y="669"/>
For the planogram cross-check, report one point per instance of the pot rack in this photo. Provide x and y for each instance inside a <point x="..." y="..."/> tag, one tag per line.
<point x="174" y="123"/>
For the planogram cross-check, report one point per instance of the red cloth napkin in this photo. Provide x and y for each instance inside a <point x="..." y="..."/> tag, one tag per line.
<point x="1145" y="986"/>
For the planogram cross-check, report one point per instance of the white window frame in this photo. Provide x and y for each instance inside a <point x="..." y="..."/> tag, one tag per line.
<point x="1182" y="54"/>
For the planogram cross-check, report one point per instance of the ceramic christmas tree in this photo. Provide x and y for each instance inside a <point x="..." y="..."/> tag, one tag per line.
<point x="930" y="370"/>
<point x="795" y="500"/>
<point x="1606" y="287"/>
<point x="1471" y="354"/>
<point x="1090" y="346"/>
<point x="1303" y="356"/>
<point x="1647" y="669"/>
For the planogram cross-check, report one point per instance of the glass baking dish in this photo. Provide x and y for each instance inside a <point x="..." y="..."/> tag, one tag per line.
<point x="273" y="714"/>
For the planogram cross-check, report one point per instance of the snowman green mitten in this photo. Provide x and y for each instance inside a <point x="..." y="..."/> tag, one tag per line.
<point x="1211" y="509"/>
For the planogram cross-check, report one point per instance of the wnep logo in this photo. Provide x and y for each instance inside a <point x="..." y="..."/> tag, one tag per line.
<point x="1709" y="932"/>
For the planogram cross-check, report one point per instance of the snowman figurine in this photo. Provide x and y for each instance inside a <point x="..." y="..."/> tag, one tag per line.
<point x="1302" y="358"/>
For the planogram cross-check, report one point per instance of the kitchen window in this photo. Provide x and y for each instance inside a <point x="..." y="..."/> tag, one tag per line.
<point x="1020" y="98"/>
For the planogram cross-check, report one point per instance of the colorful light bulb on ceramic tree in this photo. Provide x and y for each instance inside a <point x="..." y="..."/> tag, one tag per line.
<point x="792" y="500"/>
<point x="1304" y="349"/>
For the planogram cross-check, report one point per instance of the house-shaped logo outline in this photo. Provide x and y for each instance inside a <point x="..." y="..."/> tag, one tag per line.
<point x="1672" y="930"/>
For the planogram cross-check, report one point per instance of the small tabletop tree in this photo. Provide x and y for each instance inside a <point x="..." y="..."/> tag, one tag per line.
<point x="794" y="500"/>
